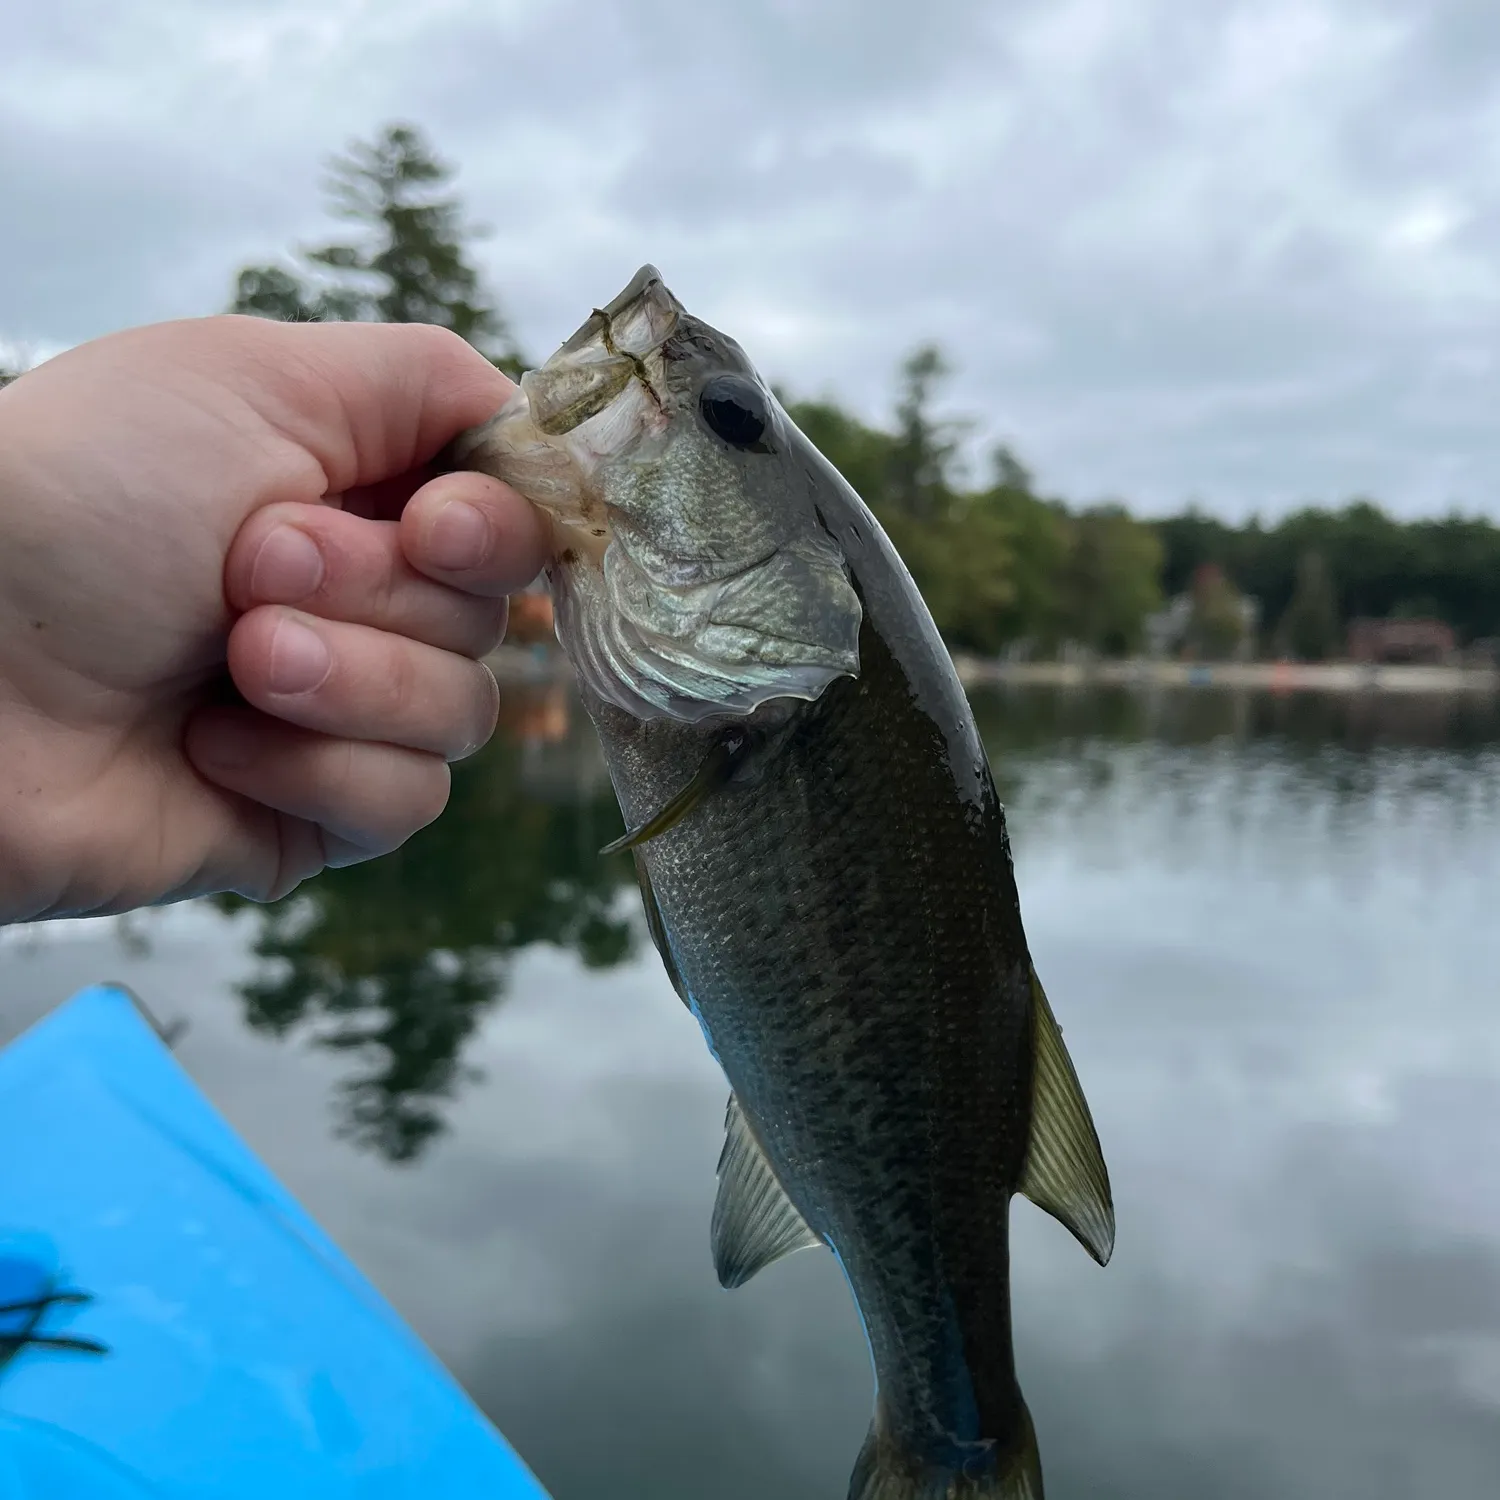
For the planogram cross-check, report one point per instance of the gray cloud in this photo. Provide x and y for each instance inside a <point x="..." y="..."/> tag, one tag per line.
<point x="1241" y="251"/>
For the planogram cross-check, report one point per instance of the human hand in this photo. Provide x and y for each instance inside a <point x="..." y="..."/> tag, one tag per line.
<point x="157" y="488"/>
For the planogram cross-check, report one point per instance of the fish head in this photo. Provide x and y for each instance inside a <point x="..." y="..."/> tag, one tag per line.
<point x="692" y="574"/>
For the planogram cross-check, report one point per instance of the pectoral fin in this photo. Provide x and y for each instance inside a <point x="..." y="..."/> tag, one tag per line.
<point x="658" y="928"/>
<point x="754" y="1221"/>
<point x="718" y="765"/>
<point x="1065" y="1172"/>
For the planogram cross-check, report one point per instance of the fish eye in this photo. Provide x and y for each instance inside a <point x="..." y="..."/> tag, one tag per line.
<point x="734" y="408"/>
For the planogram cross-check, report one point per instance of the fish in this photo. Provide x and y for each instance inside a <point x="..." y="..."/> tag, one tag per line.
<point x="824" y="865"/>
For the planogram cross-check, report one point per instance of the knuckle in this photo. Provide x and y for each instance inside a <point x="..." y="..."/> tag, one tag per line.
<point x="400" y="683"/>
<point x="336" y="774"/>
<point x="387" y="586"/>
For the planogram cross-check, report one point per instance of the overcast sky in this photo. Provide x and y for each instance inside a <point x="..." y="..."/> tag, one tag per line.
<point x="1244" y="253"/>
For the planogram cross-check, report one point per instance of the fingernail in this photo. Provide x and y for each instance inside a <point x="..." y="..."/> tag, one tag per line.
<point x="287" y="568"/>
<point x="222" y="743"/>
<point x="460" y="537"/>
<point x="299" y="659"/>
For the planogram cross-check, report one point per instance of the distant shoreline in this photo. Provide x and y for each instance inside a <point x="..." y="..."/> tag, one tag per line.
<point x="1272" y="676"/>
<point x="520" y="664"/>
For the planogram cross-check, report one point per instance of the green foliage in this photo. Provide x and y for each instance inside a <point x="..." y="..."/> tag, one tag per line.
<point x="1443" y="567"/>
<point x="1039" y="539"/>
<point x="1109" y="580"/>
<point x="863" y="455"/>
<point x="922" y="451"/>
<point x="1309" y="629"/>
<point x="408" y="262"/>
<point x="957" y="545"/>
<point x="996" y="565"/>
<point x="962" y="561"/>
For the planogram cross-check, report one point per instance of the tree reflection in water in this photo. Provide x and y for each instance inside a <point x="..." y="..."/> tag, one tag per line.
<point x="396" y="961"/>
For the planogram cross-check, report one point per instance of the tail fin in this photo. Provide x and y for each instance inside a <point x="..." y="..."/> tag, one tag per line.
<point x="884" y="1472"/>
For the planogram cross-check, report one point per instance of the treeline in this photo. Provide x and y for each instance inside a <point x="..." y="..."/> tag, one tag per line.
<point x="1002" y="566"/>
<point x="998" y="564"/>
<point x="1316" y="570"/>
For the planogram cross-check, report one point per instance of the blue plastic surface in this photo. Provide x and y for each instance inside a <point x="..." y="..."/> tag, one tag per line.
<point x="247" y="1357"/>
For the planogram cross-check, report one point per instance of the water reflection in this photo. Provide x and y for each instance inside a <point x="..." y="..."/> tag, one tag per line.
<point x="394" y="962"/>
<point x="1030" y="718"/>
<point x="1269" y="925"/>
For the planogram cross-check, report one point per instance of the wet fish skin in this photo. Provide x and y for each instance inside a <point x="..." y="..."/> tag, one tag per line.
<point x="842" y="917"/>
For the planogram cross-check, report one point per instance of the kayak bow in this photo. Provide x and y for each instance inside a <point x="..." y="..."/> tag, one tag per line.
<point x="173" y="1324"/>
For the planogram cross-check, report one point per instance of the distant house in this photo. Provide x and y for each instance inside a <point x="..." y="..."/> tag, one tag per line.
<point x="1212" y="621"/>
<point x="1428" y="641"/>
<point x="1167" y="629"/>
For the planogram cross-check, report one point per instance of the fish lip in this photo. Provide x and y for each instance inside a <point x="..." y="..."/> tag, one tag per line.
<point x="600" y="322"/>
<point x="636" y="287"/>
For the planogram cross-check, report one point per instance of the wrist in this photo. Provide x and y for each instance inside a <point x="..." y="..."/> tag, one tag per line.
<point x="34" y="824"/>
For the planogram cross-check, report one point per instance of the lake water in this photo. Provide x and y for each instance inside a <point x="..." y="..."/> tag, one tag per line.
<point x="1269" y="929"/>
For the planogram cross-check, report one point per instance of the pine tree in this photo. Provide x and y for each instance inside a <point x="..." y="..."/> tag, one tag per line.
<point x="923" y="452"/>
<point x="1310" y="627"/>
<point x="410" y="263"/>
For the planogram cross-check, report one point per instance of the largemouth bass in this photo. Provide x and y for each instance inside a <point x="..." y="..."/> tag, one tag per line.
<point x="824" y="864"/>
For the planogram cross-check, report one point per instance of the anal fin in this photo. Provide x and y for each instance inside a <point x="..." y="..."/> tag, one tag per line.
<point x="754" y="1221"/>
<point x="1065" y="1172"/>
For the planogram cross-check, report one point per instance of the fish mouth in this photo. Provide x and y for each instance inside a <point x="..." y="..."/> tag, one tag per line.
<point x="596" y="398"/>
<point x="637" y="320"/>
<point x="617" y="344"/>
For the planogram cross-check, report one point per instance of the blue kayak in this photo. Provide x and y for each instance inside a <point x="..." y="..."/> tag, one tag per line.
<point x="173" y="1326"/>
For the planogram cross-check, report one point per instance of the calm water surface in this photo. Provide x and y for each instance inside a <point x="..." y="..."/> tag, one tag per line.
<point x="1268" y="927"/>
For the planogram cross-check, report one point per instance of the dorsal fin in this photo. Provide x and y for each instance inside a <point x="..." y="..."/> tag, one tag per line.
<point x="754" y="1222"/>
<point x="1065" y="1172"/>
